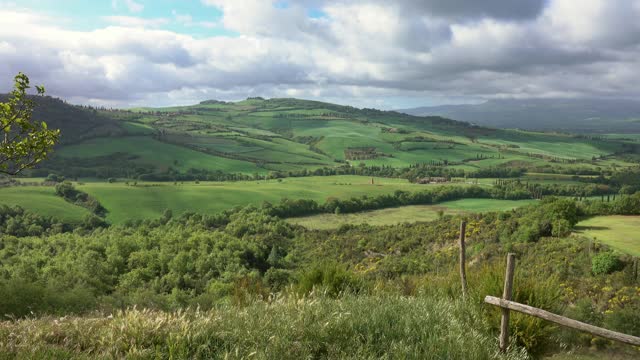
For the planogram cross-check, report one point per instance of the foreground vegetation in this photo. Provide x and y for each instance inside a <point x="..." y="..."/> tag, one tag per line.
<point x="258" y="280"/>
<point x="351" y="327"/>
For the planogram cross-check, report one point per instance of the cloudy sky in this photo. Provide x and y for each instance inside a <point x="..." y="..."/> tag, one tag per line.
<point x="368" y="53"/>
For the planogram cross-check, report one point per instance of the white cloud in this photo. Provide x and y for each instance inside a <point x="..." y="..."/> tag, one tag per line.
<point x="361" y="52"/>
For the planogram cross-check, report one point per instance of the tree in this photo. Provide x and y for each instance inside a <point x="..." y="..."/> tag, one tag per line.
<point x="23" y="142"/>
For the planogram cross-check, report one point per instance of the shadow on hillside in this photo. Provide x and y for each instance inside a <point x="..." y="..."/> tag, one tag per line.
<point x="584" y="228"/>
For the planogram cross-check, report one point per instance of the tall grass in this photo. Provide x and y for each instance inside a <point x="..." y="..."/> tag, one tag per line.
<point x="313" y="327"/>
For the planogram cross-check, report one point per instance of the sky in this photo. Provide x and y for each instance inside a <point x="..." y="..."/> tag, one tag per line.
<point x="366" y="53"/>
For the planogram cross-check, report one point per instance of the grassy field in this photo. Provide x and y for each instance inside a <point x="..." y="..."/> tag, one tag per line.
<point x="150" y="151"/>
<point x="619" y="232"/>
<point x="210" y="197"/>
<point x="402" y="214"/>
<point x="42" y="200"/>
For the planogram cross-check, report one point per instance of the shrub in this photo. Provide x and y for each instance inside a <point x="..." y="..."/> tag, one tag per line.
<point x="54" y="178"/>
<point x="332" y="278"/>
<point x="277" y="279"/>
<point x="66" y="190"/>
<point x="605" y="263"/>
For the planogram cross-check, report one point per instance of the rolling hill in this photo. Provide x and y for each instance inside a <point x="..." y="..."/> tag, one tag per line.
<point x="259" y="136"/>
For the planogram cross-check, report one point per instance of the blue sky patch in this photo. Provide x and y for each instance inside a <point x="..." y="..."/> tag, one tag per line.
<point x="190" y="17"/>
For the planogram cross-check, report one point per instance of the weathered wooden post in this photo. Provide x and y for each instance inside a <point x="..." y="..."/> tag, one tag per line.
<point x="506" y="295"/>
<point x="463" y="259"/>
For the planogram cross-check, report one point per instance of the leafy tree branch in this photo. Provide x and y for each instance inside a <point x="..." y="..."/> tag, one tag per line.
<point x="23" y="142"/>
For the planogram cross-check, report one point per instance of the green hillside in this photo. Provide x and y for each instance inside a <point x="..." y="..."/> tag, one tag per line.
<point x="285" y="135"/>
<point x="41" y="200"/>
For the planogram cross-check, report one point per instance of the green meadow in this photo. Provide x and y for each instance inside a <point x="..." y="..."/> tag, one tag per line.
<point x="617" y="231"/>
<point x="42" y="200"/>
<point x="150" y="151"/>
<point x="148" y="200"/>
<point x="413" y="213"/>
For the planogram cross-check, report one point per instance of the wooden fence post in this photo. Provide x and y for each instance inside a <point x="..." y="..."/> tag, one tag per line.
<point x="463" y="259"/>
<point x="506" y="295"/>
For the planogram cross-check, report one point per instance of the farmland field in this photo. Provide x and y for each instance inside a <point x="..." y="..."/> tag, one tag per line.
<point x="42" y="200"/>
<point x="157" y="153"/>
<point x="149" y="200"/>
<point x="619" y="232"/>
<point x="413" y="213"/>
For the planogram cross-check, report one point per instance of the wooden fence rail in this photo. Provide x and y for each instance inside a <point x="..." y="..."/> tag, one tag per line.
<point x="564" y="321"/>
<point x="506" y="305"/>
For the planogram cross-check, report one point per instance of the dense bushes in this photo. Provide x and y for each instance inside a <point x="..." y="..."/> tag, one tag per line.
<point x="331" y="278"/>
<point x="68" y="192"/>
<point x="16" y="221"/>
<point x="246" y="254"/>
<point x="431" y="195"/>
<point x="193" y="258"/>
<point x="623" y="205"/>
<point x="512" y="190"/>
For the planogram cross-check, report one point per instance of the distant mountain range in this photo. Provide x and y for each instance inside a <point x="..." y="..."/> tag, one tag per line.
<point x="572" y="115"/>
